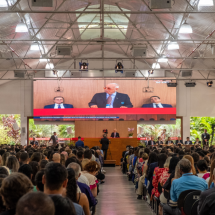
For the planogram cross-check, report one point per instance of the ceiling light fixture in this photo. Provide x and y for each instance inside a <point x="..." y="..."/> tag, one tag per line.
<point x="156" y="66"/>
<point x="35" y="46"/>
<point x="206" y="3"/>
<point x="162" y="59"/>
<point x="186" y="29"/>
<point x="173" y="46"/>
<point x="83" y="66"/>
<point x="21" y="27"/>
<point x="49" y="66"/>
<point x="3" y="3"/>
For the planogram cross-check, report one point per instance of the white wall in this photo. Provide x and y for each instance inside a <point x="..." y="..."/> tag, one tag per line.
<point x="17" y="98"/>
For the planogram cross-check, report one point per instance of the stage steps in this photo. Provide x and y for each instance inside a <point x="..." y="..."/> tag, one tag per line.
<point x="109" y="163"/>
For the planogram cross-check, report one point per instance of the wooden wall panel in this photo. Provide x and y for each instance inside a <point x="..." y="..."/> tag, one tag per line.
<point x="122" y="127"/>
<point x="95" y="128"/>
<point x="85" y="128"/>
<point x="80" y="92"/>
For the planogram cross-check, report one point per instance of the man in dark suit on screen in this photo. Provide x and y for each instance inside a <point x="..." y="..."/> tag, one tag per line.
<point x="114" y="134"/>
<point x="58" y="104"/>
<point x="110" y="98"/>
<point x="156" y="103"/>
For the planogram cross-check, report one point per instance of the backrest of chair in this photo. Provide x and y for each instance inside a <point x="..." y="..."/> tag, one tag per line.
<point x="182" y="198"/>
<point x="189" y="200"/>
<point x="194" y="208"/>
<point x="166" y="194"/>
<point x="212" y="211"/>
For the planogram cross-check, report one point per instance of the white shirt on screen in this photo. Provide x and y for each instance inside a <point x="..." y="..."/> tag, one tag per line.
<point x="113" y="97"/>
<point x="159" y="105"/>
<point x="56" y="106"/>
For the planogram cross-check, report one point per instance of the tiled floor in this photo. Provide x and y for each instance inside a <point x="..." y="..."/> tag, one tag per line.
<point x="117" y="196"/>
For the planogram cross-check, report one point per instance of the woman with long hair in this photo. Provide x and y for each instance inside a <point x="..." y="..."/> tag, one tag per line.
<point x="12" y="163"/>
<point x="211" y="174"/>
<point x="35" y="167"/>
<point x="4" y="158"/>
<point x="74" y="194"/>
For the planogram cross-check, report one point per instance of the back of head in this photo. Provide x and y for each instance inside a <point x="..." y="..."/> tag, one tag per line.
<point x="152" y="158"/>
<point x="23" y="157"/>
<point x="38" y="180"/>
<point x="195" y="157"/>
<point x="185" y="165"/>
<point x="80" y="154"/>
<point x="43" y="164"/>
<point x="172" y="165"/>
<point x="14" y="187"/>
<point x="55" y="175"/>
<point x="36" y="156"/>
<point x="70" y="160"/>
<point x="3" y="170"/>
<point x="161" y="160"/>
<point x="12" y="163"/>
<point x="26" y="170"/>
<point x="56" y="157"/>
<point x="202" y="165"/>
<point x="91" y="167"/>
<point x="88" y="154"/>
<point x="76" y="167"/>
<point x="35" y="167"/>
<point x="63" y="205"/>
<point x="35" y="203"/>
<point x="71" y="189"/>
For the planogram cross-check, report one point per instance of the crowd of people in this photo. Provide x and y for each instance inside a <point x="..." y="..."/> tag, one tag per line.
<point x="54" y="180"/>
<point x="164" y="172"/>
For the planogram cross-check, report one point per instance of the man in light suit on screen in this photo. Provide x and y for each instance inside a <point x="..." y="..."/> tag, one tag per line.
<point x="156" y="103"/>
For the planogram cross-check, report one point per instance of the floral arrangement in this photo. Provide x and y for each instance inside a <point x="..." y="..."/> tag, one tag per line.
<point x="131" y="132"/>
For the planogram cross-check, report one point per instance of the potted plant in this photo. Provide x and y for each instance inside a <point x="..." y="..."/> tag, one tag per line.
<point x="131" y="132"/>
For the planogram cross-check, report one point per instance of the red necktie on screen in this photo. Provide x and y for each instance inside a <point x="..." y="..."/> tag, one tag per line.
<point x="109" y="100"/>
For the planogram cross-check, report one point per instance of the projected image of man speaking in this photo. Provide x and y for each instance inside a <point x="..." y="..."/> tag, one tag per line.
<point x="58" y="104"/>
<point x="156" y="103"/>
<point x="110" y="98"/>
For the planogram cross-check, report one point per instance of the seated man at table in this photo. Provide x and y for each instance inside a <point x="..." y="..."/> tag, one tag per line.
<point x="178" y="141"/>
<point x="197" y="142"/>
<point x="58" y="104"/>
<point x="159" y="141"/>
<point x="156" y="103"/>
<point x="188" y="142"/>
<point x="110" y="98"/>
<point x="188" y="181"/>
<point x="151" y="142"/>
<point x="169" y="141"/>
<point x="34" y="142"/>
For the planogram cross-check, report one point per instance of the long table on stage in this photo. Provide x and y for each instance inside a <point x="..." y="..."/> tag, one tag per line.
<point x="116" y="146"/>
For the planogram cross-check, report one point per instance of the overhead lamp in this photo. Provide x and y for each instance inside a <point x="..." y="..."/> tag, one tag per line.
<point x="206" y="3"/>
<point x="209" y="83"/>
<point x="151" y="72"/>
<point x="3" y="3"/>
<point x="49" y="66"/>
<point x="172" y="84"/>
<point x="21" y="27"/>
<point x="156" y="66"/>
<point x="190" y="84"/>
<point x="119" y="67"/>
<point x="162" y="59"/>
<point x="186" y="29"/>
<point x="35" y="46"/>
<point x="173" y="46"/>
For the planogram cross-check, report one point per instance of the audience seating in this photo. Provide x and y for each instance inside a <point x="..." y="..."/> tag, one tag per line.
<point x="194" y="208"/>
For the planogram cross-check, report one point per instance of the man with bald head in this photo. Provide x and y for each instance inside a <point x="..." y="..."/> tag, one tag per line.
<point x="115" y="134"/>
<point x="110" y="98"/>
<point x="56" y="158"/>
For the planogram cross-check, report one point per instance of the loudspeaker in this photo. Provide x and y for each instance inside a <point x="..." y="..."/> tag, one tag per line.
<point x="63" y="50"/>
<point x="186" y="73"/>
<point x="23" y="130"/>
<point x="160" y="4"/>
<point x="139" y="51"/>
<point x="19" y="74"/>
<point x="42" y="3"/>
<point x="130" y="74"/>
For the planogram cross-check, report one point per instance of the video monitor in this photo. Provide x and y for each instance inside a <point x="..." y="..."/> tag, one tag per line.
<point x="86" y="99"/>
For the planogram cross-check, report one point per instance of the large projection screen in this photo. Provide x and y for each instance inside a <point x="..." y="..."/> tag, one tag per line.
<point x="87" y="99"/>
